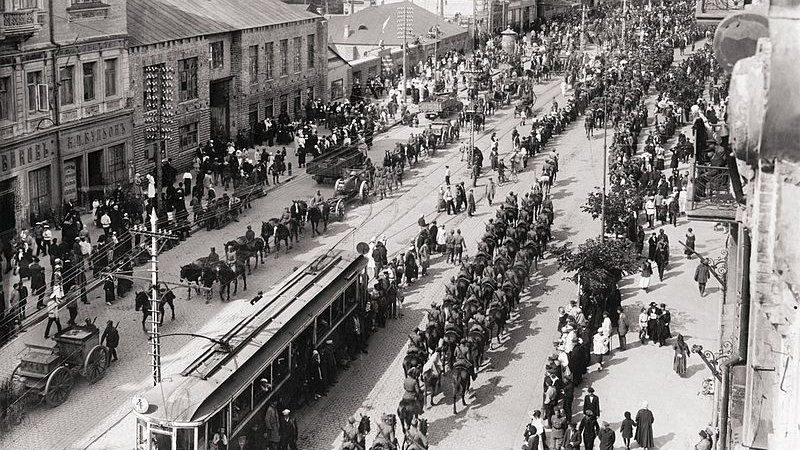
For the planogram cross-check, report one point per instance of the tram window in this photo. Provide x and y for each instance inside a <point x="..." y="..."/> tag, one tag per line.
<point x="338" y="309"/>
<point x="323" y="324"/>
<point x="351" y="295"/>
<point x="241" y="407"/>
<point x="280" y="366"/>
<point x="185" y="439"/>
<point x="218" y="424"/>
<point x="263" y="385"/>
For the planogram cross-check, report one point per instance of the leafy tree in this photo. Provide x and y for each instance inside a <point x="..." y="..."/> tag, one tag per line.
<point x="596" y="264"/>
<point x="620" y="203"/>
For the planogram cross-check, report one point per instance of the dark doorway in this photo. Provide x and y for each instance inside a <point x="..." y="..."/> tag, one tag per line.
<point x="96" y="181"/>
<point x="220" y="109"/>
<point x="8" y="200"/>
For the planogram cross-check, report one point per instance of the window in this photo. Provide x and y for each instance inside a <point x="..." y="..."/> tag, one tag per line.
<point x="284" y="54"/>
<point x="185" y="439"/>
<point x="151" y="100"/>
<point x="89" y="80"/>
<point x="217" y="50"/>
<point x="310" y="50"/>
<point x="262" y="386"/>
<point x="39" y="189"/>
<point x="6" y="99"/>
<point x="357" y="77"/>
<point x="337" y="89"/>
<point x="253" y="64"/>
<point x="187" y="79"/>
<point x="298" y="102"/>
<point x="284" y="104"/>
<point x="117" y="171"/>
<point x="26" y="4"/>
<point x="298" y="50"/>
<point x="269" y="108"/>
<point x="280" y="366"/>
<point x="269" y="56"/>
<point x="252" y="116"/>
<point x="67" y="88"/>
<point x="242" y="406"/>
<point x="111" y="77"/>
<point x="188" y="136"/>
<point x="219" y="420"/>
<point x="37" y="92"/>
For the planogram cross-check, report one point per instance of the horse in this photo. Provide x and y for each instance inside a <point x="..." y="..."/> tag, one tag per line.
<point x="461" y="381"/>
<point x="415" y="357"/>
<point x="418" y="436"/>
<point x="433" y="331"/>
<point x="498" y="315"/>
<point x="432" y="377"/>
<point x="411" y="405"/>
<point x="245" y="250"/>
<point x="226" y="275"/>
<point x="281" y="233"/>
<point x="143" y="304"/>
<point x="355" y="438"/>
<point x="193" y="273"/>
<point x="386" y="439"/>
<point x="267" y="231"/>
<point x="313" y="215"/>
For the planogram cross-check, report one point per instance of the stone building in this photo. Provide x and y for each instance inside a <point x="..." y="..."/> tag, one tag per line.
<point x="65" y="126"/>
<point x="235" y="62"/>
<point x="757" y="368"/>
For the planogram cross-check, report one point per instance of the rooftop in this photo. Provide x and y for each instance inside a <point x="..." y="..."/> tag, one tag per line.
<point x="153" y="21"/>
<point x="375" y="23"/>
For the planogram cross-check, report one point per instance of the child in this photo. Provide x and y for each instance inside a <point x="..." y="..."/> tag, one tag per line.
<point x="626" y="429"/>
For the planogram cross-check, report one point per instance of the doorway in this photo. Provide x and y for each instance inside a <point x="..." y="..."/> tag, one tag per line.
<point x="220" y="109"/>
<point x="96" y="181"/>
<point x="8" y="200"/>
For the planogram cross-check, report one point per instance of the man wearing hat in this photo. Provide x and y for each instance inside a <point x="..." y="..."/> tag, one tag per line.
<point x="288" y="430"/>
<point x="588" y="429"/>
<point x="471" y="203"/>
<point x="607" y="437"/>
<point x="591" y="403"/>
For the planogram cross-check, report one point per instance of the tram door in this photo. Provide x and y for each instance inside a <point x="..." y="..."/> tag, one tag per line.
<point x="151" y="436"/>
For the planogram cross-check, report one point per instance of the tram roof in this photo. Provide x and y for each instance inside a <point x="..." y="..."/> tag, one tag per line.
<point x="197" y="386"/>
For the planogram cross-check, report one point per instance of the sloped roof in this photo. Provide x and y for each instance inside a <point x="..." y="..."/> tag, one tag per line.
<point x="367" y="25"/>
<point x="152" y="21"/>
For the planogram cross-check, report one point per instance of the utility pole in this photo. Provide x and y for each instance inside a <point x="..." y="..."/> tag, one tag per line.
<point x="158" y="117"/>
<point x="605" y="157"/>
<point x="155" y="316"/>
<point x="583" y="25"/>
<point x="471" y="112"/>
<point x="624" y="22"/>
<point x="405" y="28"/>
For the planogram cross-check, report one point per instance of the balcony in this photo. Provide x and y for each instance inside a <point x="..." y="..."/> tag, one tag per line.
<point x="712" y="12"/>
<point x="710" y="195"/>
<point x="19" y="24"/>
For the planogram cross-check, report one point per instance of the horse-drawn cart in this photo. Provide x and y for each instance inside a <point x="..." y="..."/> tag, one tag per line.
<point x="440" y="105"/>
<point x="49" y="372"/>
<point x="329" y="165"/>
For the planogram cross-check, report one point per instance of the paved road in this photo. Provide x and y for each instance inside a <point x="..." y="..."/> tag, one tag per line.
<point x="395" y="217"/>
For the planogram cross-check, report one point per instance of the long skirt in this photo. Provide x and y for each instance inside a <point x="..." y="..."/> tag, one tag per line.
<point x="644" y="282"/>
<point x="679" y="363"/>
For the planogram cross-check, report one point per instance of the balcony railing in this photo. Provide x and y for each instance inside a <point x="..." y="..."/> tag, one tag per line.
<point x="18" y="23"/>
<point x="713" y="11"/>
<point x="710" y="194"/>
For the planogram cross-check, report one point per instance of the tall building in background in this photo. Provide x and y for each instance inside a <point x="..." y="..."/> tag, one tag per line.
<point x="65" y="126"/>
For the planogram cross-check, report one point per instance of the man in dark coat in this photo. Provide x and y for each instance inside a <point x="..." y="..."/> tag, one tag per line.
<point x="111" y="338"/>
<point x="288" y="431"/>
<point x="607" y="437"/>
<point x="588" y="429"/>
<point x="591" y="403"/>
<point x="701" y="275"/>
<point x="644" y="427"/>
<point x="38" y="282"/>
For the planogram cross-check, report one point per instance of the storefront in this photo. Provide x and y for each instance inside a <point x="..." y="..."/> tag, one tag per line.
<point x="26" y="181"/>
<point x="96" y="158"/>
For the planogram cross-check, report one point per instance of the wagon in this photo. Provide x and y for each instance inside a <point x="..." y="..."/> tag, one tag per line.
<point x="353" y="183"/>
<point x="49" y="372"/>
<point x="329" y="165"/>
<point x="440" y="106"/>
<point x="441" y="130"/>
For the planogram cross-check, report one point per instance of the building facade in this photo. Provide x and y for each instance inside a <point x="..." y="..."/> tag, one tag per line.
<point x="757" y="368"/>
<point x="65" y="126"/>
<point x="268" y="58"/>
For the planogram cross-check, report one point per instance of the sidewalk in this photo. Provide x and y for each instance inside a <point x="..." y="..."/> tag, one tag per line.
<point x="644" y="372"/>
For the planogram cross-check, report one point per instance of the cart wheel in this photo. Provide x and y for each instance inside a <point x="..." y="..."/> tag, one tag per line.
<point x="59" y="385"/>
<point x="17" y="382"/>
<point x="363" y="192"/>
<point x="340" y="209"/>
<point x="95" y="366"/>
<point x="338" y="186"/>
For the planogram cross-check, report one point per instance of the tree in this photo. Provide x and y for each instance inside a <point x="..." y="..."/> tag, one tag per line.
<point x="596" y="264"/>
<point x="620" y="203"/>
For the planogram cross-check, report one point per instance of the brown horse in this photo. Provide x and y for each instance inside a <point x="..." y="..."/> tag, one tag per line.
<point x="461" y="381"/>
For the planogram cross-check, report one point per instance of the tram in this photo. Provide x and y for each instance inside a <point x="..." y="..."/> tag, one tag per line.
<point x="262" y="357"/>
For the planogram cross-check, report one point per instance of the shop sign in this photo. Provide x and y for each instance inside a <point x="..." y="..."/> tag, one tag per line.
<point x="70" y="181"/>
<point x="26" y="154"/>
<point x="96" y="136"/>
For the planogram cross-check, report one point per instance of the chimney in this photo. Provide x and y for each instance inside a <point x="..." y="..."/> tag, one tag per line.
<point x="346" y="31"/>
